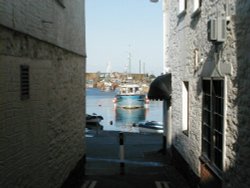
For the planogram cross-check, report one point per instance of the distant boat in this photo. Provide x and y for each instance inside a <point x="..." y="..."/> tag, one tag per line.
<point x="150" y="126"/>
<point x="93" y="122"/>
<point x="130" y="96"/>
<point x="89" y="84"/>
<point x="107" y="86"/>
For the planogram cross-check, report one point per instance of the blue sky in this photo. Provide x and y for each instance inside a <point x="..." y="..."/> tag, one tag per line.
<point x="116" y="27"/>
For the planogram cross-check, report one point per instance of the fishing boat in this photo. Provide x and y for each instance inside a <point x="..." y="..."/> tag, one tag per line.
<point x="130" y="96"/>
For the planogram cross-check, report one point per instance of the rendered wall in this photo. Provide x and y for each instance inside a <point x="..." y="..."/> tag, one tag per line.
<point x="47" y="20"/>
<point x="41" y="138"/>
<point x="187" y="34"/>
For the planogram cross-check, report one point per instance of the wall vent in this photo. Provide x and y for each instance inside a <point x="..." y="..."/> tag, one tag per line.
<point x="25" y="83"/>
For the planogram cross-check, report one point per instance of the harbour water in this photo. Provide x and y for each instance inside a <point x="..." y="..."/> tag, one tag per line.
<point x="119" y="119"/>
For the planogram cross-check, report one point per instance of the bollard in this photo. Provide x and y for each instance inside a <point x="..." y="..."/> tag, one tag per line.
<point x="97" y="128"/>
<point x="121" y="142"/>
<point x="164" y="144"/>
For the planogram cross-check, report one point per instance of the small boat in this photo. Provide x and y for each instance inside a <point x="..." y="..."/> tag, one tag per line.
<point x="130" y="96"/>
<point x="93" y="119"/>
<point x="150" y="126"/>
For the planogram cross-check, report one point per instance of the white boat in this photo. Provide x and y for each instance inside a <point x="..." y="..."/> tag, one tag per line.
<point x="130" y="95"/>
<point x="150" y="126"/>
<point x="93" y="119"/>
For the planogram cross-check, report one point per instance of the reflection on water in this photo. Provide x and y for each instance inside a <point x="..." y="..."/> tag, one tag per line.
<point x="129" y="116"/>
<point x="122" y="119"/>
<point x="125" y="118"/>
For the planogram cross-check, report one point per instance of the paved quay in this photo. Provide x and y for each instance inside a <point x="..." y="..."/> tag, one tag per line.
<point x="143" y="165"/>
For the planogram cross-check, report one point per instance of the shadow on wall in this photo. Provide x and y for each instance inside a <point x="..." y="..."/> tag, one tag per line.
<point x="238" y="170"/>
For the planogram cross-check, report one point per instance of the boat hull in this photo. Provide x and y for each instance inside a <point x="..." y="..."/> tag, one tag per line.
<point x="150" y="127"/>
<point x="93" y="119"/>
<point x="130" y="101"/>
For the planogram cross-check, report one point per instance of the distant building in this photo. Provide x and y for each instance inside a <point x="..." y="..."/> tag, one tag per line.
<point x="42" y="62"/>
<point x="207" y="45"/>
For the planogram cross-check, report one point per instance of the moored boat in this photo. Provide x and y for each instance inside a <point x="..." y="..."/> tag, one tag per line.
<point x="130" y="96"/>
<point x="150" y="126"/>
<point x="93" y="119"/>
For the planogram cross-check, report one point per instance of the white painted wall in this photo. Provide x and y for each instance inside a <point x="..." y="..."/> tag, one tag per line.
<point x="47" y="21"/>
<point x="188" y="33"/>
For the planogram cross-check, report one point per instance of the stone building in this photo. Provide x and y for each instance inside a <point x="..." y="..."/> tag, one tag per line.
<point x="42" y="62"/>
<point x="207" y="45"/>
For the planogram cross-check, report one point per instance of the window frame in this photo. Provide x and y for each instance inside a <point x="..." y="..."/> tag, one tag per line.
<point x="213" y="140"/>
<point x="185" y="107"/>
<point x="196" y="8"/>
<point x="182" y="5"/>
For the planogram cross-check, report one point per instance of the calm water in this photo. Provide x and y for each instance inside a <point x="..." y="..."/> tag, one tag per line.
<point x="101" y="103"/>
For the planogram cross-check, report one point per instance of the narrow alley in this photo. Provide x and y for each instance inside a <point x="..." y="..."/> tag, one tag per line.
<point x="144" y="164"/>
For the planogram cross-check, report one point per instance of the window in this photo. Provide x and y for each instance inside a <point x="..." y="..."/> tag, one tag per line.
<point x="182" y="7"/>
<point x="24" y="82"/>
<point x="196" y="7"/>
<point x="212" y="121"/>
<point x="185" y="107"/>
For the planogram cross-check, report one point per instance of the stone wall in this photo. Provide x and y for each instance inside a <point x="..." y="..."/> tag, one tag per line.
<point x="41" y="138"/>
<point x="188" y="33"/>
<point x="48" y="20"/>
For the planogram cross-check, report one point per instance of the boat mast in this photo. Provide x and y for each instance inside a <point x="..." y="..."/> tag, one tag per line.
<point x="129" y="61"/>
<point x="129" y="64"/>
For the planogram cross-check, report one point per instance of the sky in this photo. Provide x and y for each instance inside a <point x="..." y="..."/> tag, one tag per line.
<point x="117" y="28"/>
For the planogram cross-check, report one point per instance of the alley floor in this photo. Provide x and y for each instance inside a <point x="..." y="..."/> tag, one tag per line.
<point x="143" y="165"/>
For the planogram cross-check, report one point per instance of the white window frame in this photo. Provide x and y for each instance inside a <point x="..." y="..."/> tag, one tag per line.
<point x="196" y="7"/>
<point x="182" y="7"/>
<point x="185" y="107"/>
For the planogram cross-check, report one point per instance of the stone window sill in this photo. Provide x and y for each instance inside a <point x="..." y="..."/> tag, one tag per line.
<point x="212" y="167"/>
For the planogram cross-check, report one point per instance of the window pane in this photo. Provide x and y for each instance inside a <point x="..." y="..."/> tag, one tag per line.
<point x="218" y="140"/>
<point x="218" y="87"/>
<point x="218" y="158"/>
<point x="218" y="122"/>
<point x="206" y="148"/>
<point x="206" y="117"/>
<point x="218" y="105"/>
<point x="206" y="133"/>
<point x="206" y="102"/>
<point x="206" y="86"/>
